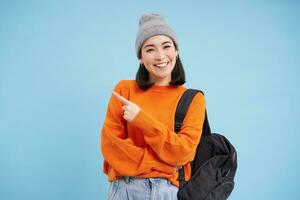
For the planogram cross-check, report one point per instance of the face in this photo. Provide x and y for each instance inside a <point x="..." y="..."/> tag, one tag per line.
<point x="158" y="54"/>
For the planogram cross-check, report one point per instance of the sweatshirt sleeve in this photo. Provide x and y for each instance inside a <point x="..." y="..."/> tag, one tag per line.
<point x="128" y="159"/>
<point x="175" y="149"/>
<point x="120" y="152"/>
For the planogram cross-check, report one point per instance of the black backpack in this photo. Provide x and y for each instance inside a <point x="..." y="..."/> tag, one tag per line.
<point x="215" y="162"/>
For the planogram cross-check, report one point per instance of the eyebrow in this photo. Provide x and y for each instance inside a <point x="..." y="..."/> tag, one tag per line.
<point x="151" y="45"/>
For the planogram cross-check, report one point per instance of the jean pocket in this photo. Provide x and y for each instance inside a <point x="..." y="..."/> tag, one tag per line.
<point x="113" y="189"/>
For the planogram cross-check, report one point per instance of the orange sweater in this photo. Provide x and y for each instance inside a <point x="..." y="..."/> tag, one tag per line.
<point x="148" y="146"/>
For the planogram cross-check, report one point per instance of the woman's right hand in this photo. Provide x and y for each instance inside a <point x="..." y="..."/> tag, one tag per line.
<point x="130" y="109"/>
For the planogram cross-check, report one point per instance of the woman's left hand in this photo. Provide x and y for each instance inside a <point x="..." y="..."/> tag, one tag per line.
<point x="130" y="109"/>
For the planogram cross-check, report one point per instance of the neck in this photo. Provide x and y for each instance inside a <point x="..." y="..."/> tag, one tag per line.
<point x="162" y="81"/>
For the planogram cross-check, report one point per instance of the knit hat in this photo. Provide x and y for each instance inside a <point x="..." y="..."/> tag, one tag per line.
<point x="150" y="25"/>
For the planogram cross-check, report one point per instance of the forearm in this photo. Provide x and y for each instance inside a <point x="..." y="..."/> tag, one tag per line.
<point x="128" y="159"/>
<point x="174" y="148"/>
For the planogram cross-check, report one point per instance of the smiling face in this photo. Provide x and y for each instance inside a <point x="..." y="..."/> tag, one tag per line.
<point x="158" y="54"/>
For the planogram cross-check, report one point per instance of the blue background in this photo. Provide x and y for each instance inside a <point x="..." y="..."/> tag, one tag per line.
<point x="59" y="61"/>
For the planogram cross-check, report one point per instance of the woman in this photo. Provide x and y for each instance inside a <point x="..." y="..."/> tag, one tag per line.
<point x="140" y="148"/>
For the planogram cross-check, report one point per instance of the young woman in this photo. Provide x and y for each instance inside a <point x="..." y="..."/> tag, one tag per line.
<point x="141" y="151"/>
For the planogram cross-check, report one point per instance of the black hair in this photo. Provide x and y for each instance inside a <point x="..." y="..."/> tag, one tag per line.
<point x="177" y="76"/>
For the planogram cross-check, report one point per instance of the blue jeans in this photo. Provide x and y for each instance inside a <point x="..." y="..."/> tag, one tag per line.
<point x="131" y="188"/>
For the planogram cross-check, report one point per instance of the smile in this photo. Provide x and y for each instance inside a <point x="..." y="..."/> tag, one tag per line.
<point x="161" y="64"/>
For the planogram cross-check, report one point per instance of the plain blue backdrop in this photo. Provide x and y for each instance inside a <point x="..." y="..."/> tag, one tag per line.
<point x="59" y="61"/>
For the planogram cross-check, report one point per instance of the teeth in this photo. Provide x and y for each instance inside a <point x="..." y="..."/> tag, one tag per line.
<point x="162" y="64"/>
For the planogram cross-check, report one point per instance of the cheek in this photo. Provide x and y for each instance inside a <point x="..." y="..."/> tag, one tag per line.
<point x="147" y="60"/>
<point x="172" y="55"/>
<point x="148" y="66"/>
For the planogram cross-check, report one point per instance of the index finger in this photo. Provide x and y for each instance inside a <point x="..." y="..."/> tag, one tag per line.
<point x="120" y="98"/>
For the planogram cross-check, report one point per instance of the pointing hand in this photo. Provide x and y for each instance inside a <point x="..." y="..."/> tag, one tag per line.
<point x="130" y="109"/>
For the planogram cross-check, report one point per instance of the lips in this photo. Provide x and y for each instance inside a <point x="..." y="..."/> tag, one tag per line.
<point x="161" y="64"/>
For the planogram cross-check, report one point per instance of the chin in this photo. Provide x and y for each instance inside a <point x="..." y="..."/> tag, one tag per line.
<point x="162" y="76"/>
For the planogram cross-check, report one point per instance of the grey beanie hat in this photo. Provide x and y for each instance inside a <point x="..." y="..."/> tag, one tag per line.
<point x="150" y="25"/>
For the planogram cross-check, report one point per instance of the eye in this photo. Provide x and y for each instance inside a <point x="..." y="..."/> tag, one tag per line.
<point x="149" y="50"/>
<point x="167" y="46"/>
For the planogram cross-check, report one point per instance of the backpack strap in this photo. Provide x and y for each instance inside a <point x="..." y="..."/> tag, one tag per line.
<point x="180" y="113"/>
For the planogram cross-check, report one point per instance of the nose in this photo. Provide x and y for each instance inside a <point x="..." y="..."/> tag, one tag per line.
<point x="160" y="55"/>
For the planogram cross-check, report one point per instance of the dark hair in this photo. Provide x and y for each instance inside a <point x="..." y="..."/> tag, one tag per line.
<point x="177" y="76"/>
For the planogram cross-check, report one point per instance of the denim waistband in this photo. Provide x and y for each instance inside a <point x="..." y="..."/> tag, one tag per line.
<point x="157" y="180"/>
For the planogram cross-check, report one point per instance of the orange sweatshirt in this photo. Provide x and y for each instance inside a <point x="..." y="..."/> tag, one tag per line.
<point x="148" y="146"/>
